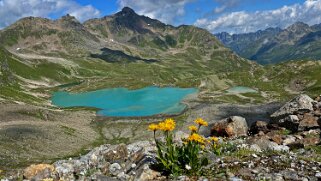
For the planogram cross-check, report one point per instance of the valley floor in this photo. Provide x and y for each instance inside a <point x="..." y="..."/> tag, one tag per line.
<point x="30" y="134"/>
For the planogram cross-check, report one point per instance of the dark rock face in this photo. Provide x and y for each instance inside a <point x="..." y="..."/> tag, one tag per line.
<point x="233" y="126"/>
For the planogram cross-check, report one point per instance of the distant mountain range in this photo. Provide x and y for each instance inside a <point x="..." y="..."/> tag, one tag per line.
<point x="296" y="42"/>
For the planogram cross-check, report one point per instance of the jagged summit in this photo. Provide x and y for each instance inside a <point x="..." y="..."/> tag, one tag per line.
<point x="69" y="19"/>
<point x="127" y="10"/>
<point x="299" y="24"/>
<point x="274" y="45"/>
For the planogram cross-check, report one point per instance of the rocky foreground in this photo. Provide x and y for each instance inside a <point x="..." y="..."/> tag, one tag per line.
<point x="285" y="148"/>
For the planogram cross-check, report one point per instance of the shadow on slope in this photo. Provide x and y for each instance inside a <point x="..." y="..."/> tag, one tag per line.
<point x="114" y="56"/>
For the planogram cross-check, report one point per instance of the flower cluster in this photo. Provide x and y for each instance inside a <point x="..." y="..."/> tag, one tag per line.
<point x="196" y="138"/>
<point x="192" y="128"/>
<point x="214" y="139"/>
<point x="200" y="122"/>
<point x="187" y="158"/>
<point x="153" y="127"/>
<point x="166" y="125"/>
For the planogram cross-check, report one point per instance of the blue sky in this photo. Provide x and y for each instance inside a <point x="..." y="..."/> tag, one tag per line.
<point x="234" y="16"/>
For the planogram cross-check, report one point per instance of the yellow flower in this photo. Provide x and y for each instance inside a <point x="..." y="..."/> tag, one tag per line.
<point x="201" y="122"/>
<point x="192" y="128"/>
<point x="167" y="125"/>
<point x="196" y="138"/>
<point x="153" y="127"/>
<point x="213" y="138"/>
<point x="203" y="147"/>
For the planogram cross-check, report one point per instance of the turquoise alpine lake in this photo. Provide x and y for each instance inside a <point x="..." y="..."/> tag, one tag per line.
<point x="240" y="90"/>
<point x="121" y="102"/>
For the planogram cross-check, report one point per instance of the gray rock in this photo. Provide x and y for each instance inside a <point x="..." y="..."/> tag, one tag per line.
<point x="289" y="140"/>
<point x="255" y="147"/>
<point x="235" y="179"/>
<point x="277" y="177"/>
<point x="300" y="104"/>
<point x="265" y="144"/>
<point x="105" y="178"/>
<point x="179" y="135"/>
<point x="114" y="168"/>
<point x="123" y="176"/>
<point x="290" y="175"/>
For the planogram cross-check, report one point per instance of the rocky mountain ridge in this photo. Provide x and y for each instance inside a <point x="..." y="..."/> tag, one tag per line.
<point x="273" y="45"/>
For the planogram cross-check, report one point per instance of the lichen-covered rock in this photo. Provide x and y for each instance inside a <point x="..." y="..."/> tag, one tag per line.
<point x="119" y="154"/>
<point x="287" y="115"/>
<point x="233" y="126"/>
<point x="300" y="114"/>
<point x="301" y="103"/>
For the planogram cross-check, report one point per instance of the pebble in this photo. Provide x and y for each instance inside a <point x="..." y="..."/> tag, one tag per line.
<point x="114" y="167"/>
<point x="255" y="171"/>
<point x="235" y="179"/>
<point x="318" y="175"/>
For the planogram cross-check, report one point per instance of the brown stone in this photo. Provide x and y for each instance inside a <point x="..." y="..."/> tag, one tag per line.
<point x="233" y="126"/>
<point x="277" y="139"/>
<point x="119" y="154"/>
<point x="317" y="113"/>
<point x="259" y="126"/>
<point x="40" y="171"/>
<point x="308" y="122"/>
<point x="310" y="141"/>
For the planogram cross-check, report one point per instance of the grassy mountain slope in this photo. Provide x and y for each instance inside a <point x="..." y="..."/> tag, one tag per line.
<point x="121" y="50"/>
<point x="128" y="50"/>
<point x="273" y="45"/>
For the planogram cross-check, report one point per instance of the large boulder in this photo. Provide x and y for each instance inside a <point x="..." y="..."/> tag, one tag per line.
<point x="290" y="115"/>
<point x="299" y="105"/>
<point x="233" y="126"/>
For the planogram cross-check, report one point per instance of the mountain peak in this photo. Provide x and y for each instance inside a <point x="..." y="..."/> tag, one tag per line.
<point x="299" y="25"/>
<point x="127" y="11"/>
<point x="68" y="17"/>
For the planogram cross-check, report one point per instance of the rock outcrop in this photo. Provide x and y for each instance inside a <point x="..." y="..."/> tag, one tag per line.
<point x="301" y="113"/>
<point x="107" y="162"/>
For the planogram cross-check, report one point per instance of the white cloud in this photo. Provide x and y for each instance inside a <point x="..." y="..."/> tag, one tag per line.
<point x="12" y="10"/>
<point x="164" y="10"/>
<point x="243" y="22"/>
